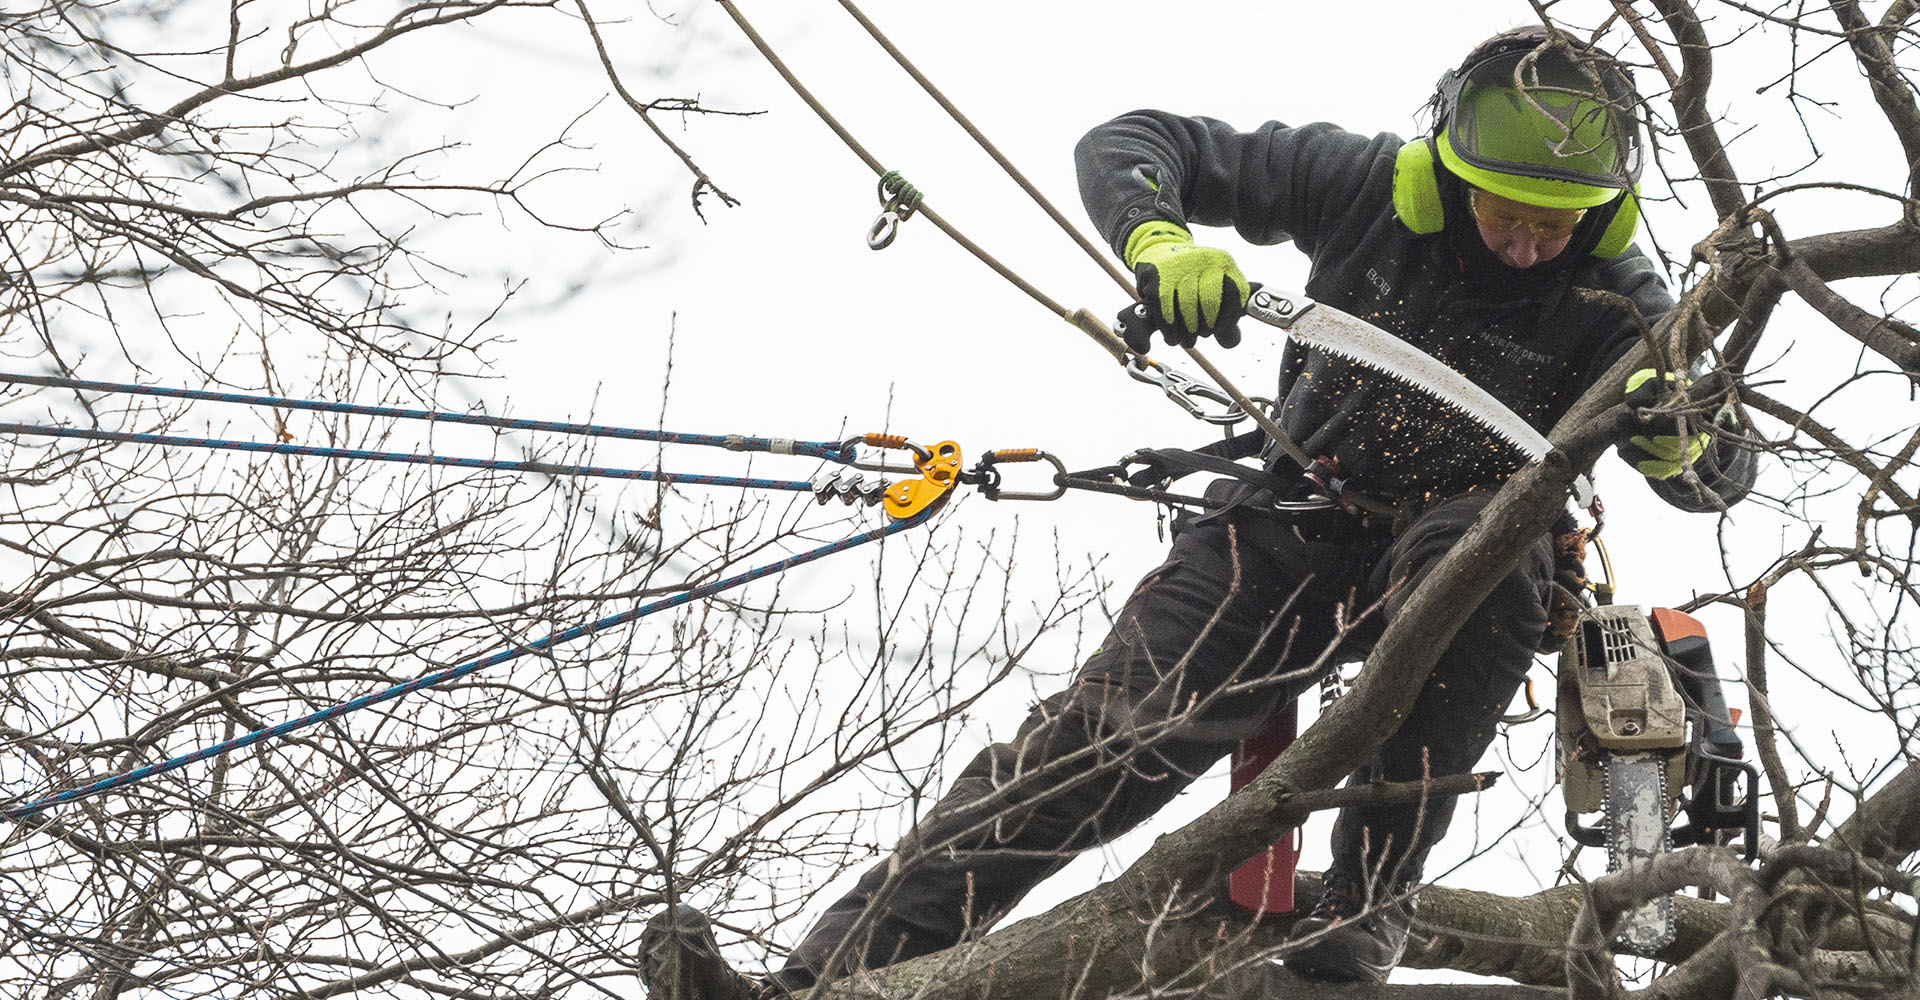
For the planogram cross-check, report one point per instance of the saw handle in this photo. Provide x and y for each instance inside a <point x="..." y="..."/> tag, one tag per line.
<point x="1134" y="328"/>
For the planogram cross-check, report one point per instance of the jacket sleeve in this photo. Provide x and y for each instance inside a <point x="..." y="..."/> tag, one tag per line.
<point x="1271" y="184"/>
<point x="1726" y="473"/>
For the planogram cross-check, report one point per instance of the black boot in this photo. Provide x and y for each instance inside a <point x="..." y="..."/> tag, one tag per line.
<point x="1349" y="939"/>
<point x="680" y="961"/>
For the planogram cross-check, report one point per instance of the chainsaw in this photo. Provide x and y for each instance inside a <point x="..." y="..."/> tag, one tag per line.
<point x="1645" y="738"/>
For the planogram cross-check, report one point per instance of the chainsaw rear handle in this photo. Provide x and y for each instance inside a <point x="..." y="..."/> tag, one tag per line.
<point x="1723" y="803"/>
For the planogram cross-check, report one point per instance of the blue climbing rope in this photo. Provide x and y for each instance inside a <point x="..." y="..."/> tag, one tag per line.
<point x="405" y="457"/>
<point x="832" y="451"/>
<point x="24" y="810"/>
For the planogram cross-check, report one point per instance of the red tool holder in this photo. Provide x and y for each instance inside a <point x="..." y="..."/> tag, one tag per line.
<point x="1265" y="883"/>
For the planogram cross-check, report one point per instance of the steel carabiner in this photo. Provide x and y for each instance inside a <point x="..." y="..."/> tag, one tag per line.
<point x="1187" y="392"/>
<point x="880" y="235"/>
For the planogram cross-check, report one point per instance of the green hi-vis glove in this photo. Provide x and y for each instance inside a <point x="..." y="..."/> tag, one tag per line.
<point x="1656" y="448"/>
<point x="1189" y="291"/>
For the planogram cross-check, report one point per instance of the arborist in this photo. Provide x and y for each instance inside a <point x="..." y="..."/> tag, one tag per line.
<point x="1471" y="243"/>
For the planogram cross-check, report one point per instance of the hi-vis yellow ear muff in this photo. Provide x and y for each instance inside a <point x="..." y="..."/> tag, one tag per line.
<point x="1416" y="188"/>
<point x="1417" y="203"/>
<point x="1620" y="229"/>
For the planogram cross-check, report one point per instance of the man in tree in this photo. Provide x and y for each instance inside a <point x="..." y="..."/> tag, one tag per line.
<point x="1470" y="243"/>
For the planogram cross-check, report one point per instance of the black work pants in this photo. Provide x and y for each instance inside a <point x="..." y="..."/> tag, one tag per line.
<point x="1240" y="620"/>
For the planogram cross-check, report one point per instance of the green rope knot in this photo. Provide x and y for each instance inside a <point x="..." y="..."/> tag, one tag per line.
<point x="898" y="195"/>
<point x="898" y="201"/>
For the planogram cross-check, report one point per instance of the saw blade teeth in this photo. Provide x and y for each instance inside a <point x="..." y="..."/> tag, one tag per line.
<point x="1349" y="338"/>
<point x="1636" y="817"/>
<point x="1478" y="421"/>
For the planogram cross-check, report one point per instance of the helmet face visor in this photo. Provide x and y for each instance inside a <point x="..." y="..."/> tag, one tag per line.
<point x="1536" y="127"/>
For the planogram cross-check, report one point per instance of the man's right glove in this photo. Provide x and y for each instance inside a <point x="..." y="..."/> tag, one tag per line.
<point x="1189" y="291"/>
<point x="1656" y="448"/>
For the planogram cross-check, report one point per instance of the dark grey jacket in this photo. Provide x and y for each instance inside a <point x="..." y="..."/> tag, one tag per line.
<point x="1524" y="336"/>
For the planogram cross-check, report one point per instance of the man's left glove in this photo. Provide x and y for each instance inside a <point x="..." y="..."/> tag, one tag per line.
<point x="1656" y="447"/>
<point x="1189" y="291"/>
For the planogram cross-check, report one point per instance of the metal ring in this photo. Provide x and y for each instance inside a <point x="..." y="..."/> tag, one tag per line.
<point x="880" y="235"/>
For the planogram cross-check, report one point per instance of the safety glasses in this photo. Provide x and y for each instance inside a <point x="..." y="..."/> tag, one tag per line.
<point x="1497" y="214"/>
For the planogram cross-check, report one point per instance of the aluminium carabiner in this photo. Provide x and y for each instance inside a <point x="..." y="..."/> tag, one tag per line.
<point x="987" y="477"/>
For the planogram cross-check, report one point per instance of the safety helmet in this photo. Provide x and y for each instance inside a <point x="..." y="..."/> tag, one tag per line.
<point x="1540" y="122"/>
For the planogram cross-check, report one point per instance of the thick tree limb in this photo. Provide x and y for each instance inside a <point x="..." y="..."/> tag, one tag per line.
<point x="1886" y="827"/>
<point x="1861" y="253"/>
<point x="1109" y="939"/>
<point x="1520" y="938"/>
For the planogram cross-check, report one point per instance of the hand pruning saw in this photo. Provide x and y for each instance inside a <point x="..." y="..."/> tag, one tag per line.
<point x="1324" y="328"/>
